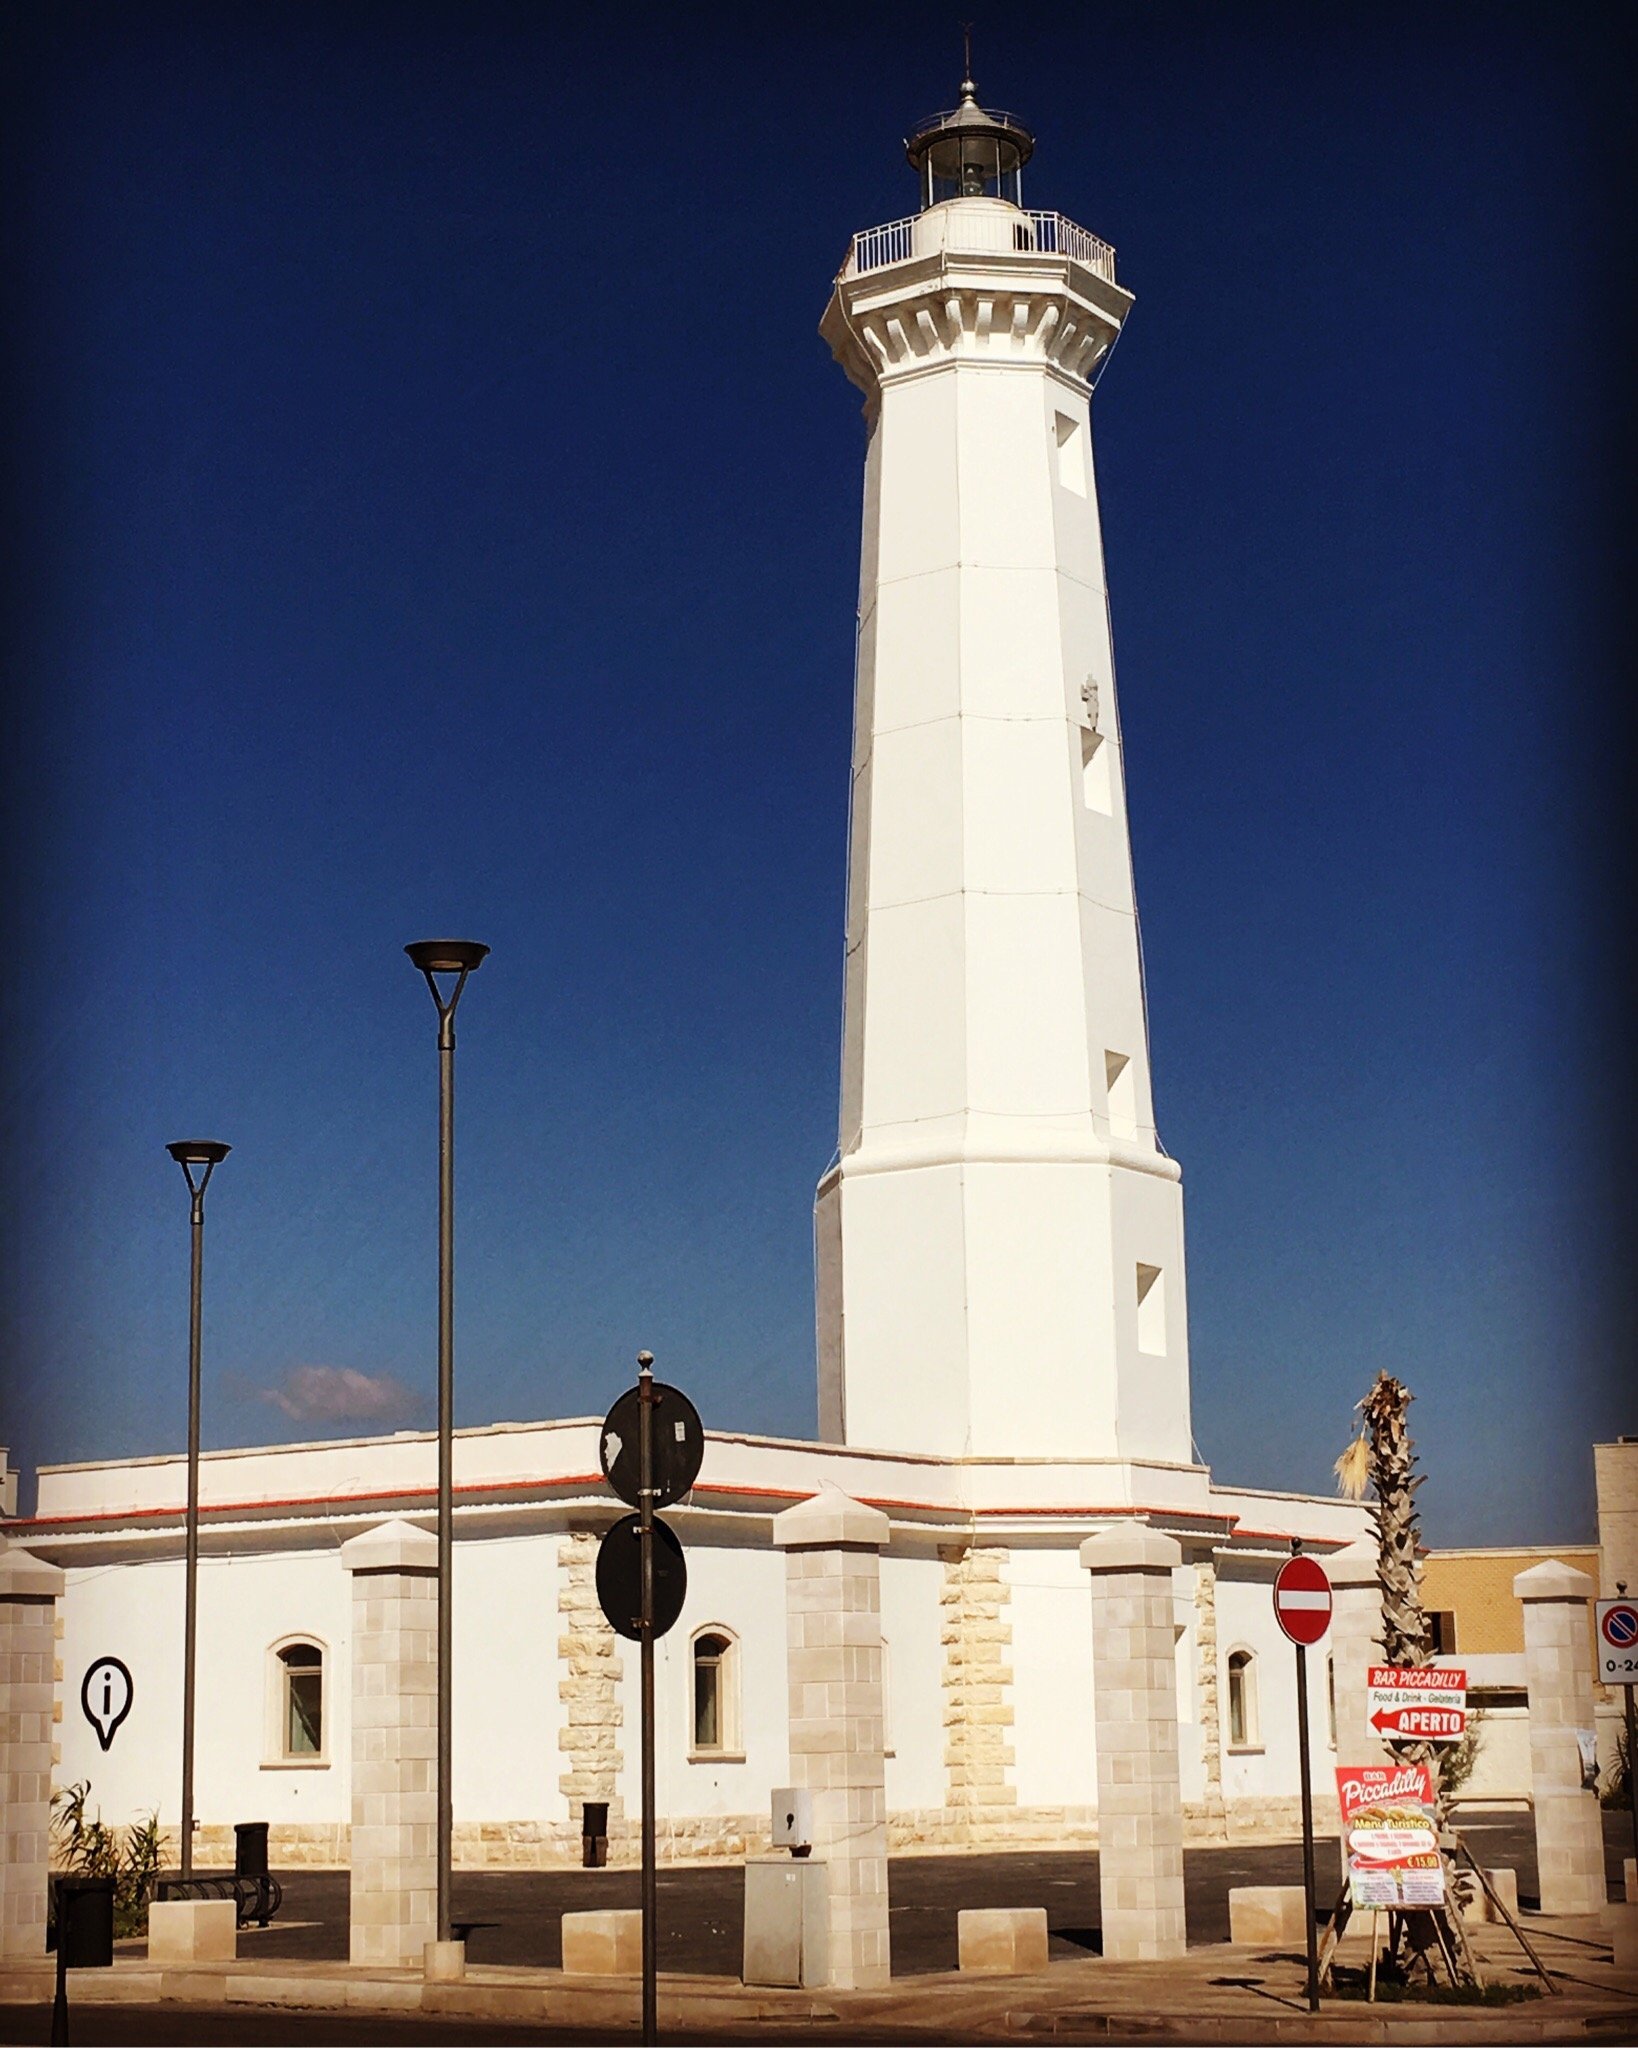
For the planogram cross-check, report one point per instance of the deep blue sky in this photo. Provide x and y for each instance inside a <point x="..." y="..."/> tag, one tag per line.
<point x="430" y="508"/>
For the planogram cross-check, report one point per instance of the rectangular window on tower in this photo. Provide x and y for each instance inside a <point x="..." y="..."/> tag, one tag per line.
<point x="1151" y="1309"/>
<point x="1095" y="792"/>
<point x="1117" y="1068"/>
<point x="1071" y="439"/>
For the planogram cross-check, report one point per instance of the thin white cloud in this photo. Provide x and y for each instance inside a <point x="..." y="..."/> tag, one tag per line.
<point x="335" y="1393"/>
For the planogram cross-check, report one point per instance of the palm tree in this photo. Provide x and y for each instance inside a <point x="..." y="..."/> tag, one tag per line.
<point x="1383" y="1457"/>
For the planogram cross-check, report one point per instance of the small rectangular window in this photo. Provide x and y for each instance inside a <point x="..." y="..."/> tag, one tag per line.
<point x="1095" y="790"/>
<point x="1117" y="1067"/>
<point x="1442" y="1633"/>
<point x="1151" y="1309"/>
<point x="1070" y="437"/>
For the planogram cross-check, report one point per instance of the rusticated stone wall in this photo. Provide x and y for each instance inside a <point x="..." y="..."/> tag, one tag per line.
<point x="976" y="1632"/>
<point x="588" y="1651"/>
<point x="1210" y="1809"/>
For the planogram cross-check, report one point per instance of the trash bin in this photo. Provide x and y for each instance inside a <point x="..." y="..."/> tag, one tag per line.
<point x="82" y="1929"/>
<point x="594" y="1834"/>
<point x="250" y="1848"/>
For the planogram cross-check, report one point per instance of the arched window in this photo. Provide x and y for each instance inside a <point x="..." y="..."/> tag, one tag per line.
<point x="296" y="1702"/>
<point x="715" y="1724"/>
<point x="1242" y="1700"/>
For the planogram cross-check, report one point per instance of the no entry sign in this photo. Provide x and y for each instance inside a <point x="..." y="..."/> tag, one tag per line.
<point x="1422" y="1703"/>
<point x="1618" y="1642"/>
<point x="1302" y="1600"/>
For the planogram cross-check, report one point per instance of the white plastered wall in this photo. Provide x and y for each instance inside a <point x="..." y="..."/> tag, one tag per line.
<point x="246" y="1605"/>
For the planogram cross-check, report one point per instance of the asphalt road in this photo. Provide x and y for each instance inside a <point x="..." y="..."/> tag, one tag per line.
<point x="701" y="1906"/>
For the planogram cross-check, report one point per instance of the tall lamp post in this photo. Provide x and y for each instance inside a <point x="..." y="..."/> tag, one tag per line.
<point x="450" y="958"/>
<point x="198" y="1159"/>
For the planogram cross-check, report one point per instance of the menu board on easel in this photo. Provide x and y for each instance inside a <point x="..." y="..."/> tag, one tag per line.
<point x="1392" y="1833"/>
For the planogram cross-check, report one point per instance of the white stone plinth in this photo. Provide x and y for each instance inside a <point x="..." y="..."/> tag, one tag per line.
<point x="28" y="1605"/>
<point x="393" y="1897"/>
<point x="1134" y="1701"/>
<point x="1622" y="1922"/>
<point x="1002" y="1941"/>
<point x="833" y="1611"/>
<point x="608" y="1944"/>
<point x="1268" y="1915"/>
<point x="193" y="1931"/>
<point x="444" y="1962"/>
<point x="1558" y="1675"/>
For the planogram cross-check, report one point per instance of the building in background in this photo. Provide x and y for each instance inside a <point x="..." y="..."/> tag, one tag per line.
<point x="1479" y="1625"/>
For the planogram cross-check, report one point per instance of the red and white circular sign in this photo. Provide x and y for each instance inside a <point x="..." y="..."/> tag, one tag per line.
<point x="1302" y="1600"/>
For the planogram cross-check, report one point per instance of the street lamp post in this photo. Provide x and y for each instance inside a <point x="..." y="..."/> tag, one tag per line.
<point x="450" y="958"/>
<point x="198" y="1159"/>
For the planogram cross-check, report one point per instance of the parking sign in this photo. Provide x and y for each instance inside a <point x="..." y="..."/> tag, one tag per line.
<point x="1618" y="1642"/>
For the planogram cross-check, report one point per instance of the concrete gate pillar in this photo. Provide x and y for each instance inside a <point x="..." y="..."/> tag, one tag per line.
<point x="393" y="1903"/>
<point x="1134" y="1701"/>
<point x="833" y="1619"/>
<point x="1558" y="1673"/>
<point x="28" y="1611"/>
<point x="1355" y="1645"/>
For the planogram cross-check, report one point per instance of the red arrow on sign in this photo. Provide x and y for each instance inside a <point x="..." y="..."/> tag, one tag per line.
<point x="1430" y="1721"/>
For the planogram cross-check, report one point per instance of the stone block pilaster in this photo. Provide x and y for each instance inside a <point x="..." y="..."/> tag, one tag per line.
<point x="393" y="1904"/>
<point x="1208" y="1677"/>
<point x="588" y="1650"/>
<point x="28" y="1606"/>
<point x="1134" y="1700"/>
<point x="976" y="1635"/>
<point x="833" y="1611"/>
<point x="1558" y="1674"/>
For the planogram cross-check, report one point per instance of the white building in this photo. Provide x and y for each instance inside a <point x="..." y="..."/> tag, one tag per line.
<point x="1003" y="1350"/>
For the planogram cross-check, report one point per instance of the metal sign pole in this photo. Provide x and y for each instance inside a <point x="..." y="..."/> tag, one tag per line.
<point x="1307" y="1829"/>
<point x="645" y="1530"/>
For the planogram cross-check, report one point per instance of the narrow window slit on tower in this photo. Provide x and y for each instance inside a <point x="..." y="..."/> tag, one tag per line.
<point x="1095" y="791"/>
<point x="1117" y="1067"/>
<point x="1071" y="453"/>
<point x="1151" y="1309"/>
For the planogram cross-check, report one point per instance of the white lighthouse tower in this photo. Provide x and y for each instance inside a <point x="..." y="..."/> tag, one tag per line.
<point x="1000" y="1242"/>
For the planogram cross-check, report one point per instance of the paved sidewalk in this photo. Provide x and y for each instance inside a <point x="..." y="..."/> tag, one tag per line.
<point x="1221" y="1994"/>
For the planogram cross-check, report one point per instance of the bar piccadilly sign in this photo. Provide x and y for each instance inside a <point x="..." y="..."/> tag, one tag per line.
<point x="1425" y="1703"/>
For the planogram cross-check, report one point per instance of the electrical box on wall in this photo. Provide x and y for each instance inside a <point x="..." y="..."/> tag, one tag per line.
<point x="793" y="1819"/>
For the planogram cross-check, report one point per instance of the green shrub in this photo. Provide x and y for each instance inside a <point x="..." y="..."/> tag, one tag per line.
<point x="89" y="1848"/>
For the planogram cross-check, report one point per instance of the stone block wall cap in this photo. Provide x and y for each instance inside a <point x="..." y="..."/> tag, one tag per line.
<point x="1131" y="1547"/>
<point x="1553" y="1580"/>
<point x="829" y="1517"/>
<point x="1353" y="1566"/>
<point x="23" y="1576"/>
<point x="393" y="1546"/>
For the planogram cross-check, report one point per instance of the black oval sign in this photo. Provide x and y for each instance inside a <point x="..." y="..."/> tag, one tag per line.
<point x="679" y="1444"/>
<point x="620" y="1578"/>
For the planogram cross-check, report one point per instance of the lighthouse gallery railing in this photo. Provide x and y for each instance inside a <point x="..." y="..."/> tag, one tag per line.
<point x="983" y="234"/>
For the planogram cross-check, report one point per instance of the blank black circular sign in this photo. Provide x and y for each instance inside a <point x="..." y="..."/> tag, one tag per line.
<point x="620" y="1578"/>
<point x="679" y="1444"/>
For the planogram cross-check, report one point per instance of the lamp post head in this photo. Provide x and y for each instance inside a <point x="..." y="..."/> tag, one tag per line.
<point x="192" y="1154"/>
<point x="446" y="956"/>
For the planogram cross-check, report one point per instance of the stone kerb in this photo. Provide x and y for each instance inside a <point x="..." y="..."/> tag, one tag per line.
<point x="833" y="1614"/>
<point x="29" y="1588"/>
<point x="1134" y="1704"/>
<point x="394" y="1882"/>
<point x="1558" y="1678"/>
